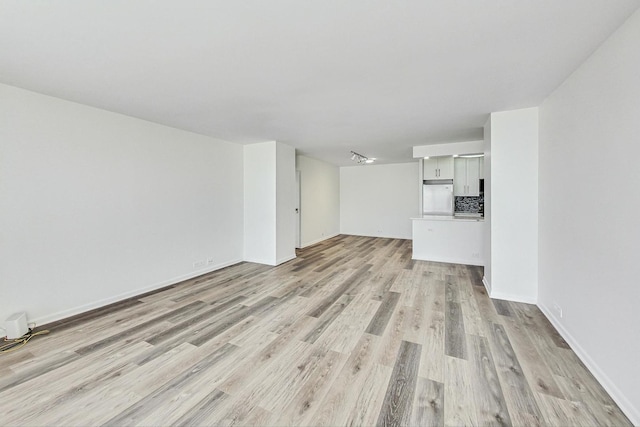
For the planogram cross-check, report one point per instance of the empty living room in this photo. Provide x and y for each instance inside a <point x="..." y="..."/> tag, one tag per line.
<point x="319" y="213"/>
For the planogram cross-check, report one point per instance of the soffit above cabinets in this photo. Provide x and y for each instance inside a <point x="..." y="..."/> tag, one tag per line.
<point x="448" y="149"/>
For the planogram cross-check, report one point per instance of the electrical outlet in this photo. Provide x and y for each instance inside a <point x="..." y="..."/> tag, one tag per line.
<point x="198" y="264"/>
<point x="558" y="309"/>
<point x="209" y="261"/>
<point x="475" y="255"/>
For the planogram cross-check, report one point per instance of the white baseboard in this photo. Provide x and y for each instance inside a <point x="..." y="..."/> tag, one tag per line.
<point x="452" y="260"/>
<point x="42" y="320"/>
<point x="510" y="297"/>
<point x="260" y="261"/>
<point x="322" y="239"/>
<point x="270" y="262"/>
<point x="632" y="412"/>
<point x="285" y="259"/>
<point x="486" y="284"/>
<point x="408" y="237"/>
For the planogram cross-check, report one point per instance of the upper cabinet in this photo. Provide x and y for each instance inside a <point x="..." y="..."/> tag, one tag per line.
<point x="438" y="167"/>
<point x="467" y="176"/>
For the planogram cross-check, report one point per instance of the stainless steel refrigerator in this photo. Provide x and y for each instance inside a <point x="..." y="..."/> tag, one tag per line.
<point x="437" y="197"/>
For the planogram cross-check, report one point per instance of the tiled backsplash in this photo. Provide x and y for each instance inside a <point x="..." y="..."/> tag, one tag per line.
<point x="468" y="204"/>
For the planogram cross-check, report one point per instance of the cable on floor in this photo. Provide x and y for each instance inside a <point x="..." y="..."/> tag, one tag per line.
<point x="18" y="343"/>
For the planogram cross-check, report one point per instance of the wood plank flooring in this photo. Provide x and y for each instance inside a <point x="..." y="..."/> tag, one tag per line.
<point x="352" y="332"/>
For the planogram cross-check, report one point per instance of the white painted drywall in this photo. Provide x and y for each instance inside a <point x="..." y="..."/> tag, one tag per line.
<point x="285" y="203"/>
<point x="97" y="206"/>
<point x="320" y="200"/>
<point x="588" y="211"/>
<point x="379" y="200"/>
<point x="269" y="202"/>
<point x="260" y="203"/>
<point x="448" y="149"/>
<point x="487" y="205"/>
<point x="456" y="241"/>
<point x="513" y="217"/>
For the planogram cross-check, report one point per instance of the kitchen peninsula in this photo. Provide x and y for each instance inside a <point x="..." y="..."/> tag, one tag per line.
<point x="451" y="226"/>
<point x="452" y="239"/>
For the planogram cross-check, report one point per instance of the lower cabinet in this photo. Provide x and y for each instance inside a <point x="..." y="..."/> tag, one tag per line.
<point x="456" y="241"/>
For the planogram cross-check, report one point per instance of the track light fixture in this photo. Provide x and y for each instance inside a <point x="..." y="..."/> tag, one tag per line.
<point x="360" y="159"/>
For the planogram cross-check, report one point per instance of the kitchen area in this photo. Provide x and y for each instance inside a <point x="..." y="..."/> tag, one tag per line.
<point x="451" y="225"/>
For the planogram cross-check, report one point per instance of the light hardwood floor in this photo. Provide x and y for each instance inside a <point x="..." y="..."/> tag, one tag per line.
<point x="352" y="332"/>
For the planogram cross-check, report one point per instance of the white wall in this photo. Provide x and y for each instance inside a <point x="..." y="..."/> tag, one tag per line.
<point x="513" y="217"/>
<point x="448" y="149"/>
<point x="487" y="205"/>
<point x="589" y="235"/>
<point x="285" y="203"/>
<point x="97" y="206"/>
<point x="269" y="203"/>
<point x="320" y="200"/>
<point x="379" y="200"/>
<point x="260" y="203"/>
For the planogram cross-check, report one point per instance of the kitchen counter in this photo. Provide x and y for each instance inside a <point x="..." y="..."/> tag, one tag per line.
<point x="452" y="239"/>
<point x="449" y="218"/>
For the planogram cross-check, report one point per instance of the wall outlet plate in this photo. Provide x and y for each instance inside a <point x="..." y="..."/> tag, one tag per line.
<point x="558" y="309"/>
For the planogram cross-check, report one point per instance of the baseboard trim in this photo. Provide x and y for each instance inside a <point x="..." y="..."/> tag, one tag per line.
<point x="515" y="298"/>
<point x="625" y="405"/>
<point x="409" y="237"/>
<point x="269" y="262"/>
<point x="260" y="261"/>
<point x="285" y="259"/>
<point x="486" y="284"/>
<point x="452" y="261"/>
<point x="322" y="239"/>
<point x="64" y="314"/>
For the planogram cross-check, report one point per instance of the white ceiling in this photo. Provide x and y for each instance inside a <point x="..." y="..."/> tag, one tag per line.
<point x="324" y="76"/>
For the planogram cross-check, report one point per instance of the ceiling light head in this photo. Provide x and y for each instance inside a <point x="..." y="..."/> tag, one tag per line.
<point x="360" y="159"/>
<point x="426" y="158"/>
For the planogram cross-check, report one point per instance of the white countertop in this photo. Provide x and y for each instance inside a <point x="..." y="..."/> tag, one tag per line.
<point x="448" y="218"/>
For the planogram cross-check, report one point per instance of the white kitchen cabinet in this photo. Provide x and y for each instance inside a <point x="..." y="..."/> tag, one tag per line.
<point x="467" y="176"/>
<point x="438" y="167"/>
<point x="473" y="176"/>
<point x="451" y="240"/>
<point x="460" y="177"/>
